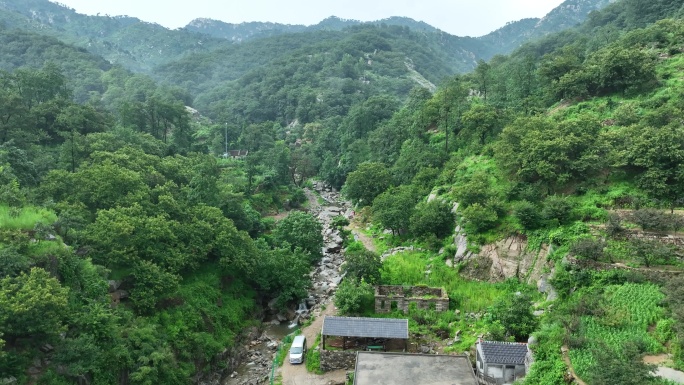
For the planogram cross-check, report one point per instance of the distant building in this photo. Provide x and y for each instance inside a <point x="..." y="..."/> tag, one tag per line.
<point x="501" y="363"/>
<point x="236" y="154"/>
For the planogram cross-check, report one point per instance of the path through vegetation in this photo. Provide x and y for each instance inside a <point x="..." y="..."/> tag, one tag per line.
<point x="297" y="374"/>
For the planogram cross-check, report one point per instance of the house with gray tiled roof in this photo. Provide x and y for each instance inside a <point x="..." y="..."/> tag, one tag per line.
<point x="501" y="363"/>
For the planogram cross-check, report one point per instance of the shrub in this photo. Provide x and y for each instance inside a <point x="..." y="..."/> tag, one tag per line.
<point x="528" y="215"/>
<point x="479" y="218"/>
<point x="352" y="297"/>
<point x="614" y="225"/>
<point x="676" y="222"/>
<point x="297" y="197"/>
<point x="588" y="248"/>
<point x="651" y="219"/>
<point x="340" y="221"/>
<point x="362" y="265"/>
<point x="433" y="217"/>
<point x="651" y="252"/>
<point x="558" y="208"/>
<point x="514" y="314"/>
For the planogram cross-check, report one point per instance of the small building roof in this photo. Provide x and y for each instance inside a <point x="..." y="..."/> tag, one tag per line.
<point x="365" y="327"/>
<point x="412" y="369"/>
<point x="494" y="352"/>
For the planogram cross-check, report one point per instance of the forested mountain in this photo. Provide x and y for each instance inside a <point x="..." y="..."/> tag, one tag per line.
<point x="141" y="46"/>
<point x="312" y="72"/>
<point x="569" y="14"/>
<point x="131" y="252"/>
<point x="135" y="44"/>
<point x="249" y="30"/>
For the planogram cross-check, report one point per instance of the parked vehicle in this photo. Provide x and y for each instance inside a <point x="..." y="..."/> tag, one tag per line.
<point x="298" y="350"/>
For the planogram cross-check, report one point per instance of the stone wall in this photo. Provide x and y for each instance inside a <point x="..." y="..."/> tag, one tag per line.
<point x="400" y="297"/>
<point x="337" y="359"/>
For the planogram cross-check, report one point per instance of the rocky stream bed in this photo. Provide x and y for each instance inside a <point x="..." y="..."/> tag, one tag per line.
<point x="250" y="363"/>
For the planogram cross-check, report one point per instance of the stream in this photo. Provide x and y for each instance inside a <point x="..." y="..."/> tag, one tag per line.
<point x="257" y="355"/>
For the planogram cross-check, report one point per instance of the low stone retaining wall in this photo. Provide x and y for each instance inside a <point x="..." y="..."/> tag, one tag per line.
<point x="334" y="360"/>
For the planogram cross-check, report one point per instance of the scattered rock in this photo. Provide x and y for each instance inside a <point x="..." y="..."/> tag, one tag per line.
<point x="114" y="285"/>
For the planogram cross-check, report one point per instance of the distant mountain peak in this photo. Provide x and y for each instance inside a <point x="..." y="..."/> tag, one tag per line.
<point x="566" y="15"/>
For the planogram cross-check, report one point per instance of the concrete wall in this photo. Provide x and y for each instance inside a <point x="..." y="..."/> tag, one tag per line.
<point x="336" y="359"/>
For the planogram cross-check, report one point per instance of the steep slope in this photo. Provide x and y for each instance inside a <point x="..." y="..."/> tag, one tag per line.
<point x="569" y="14"/>
<point x="316" y="80"/>
<point x="29" y="49"/>
<point x="136" y="44"/>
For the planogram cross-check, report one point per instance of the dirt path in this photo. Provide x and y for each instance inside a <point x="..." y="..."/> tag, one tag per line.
<point x="297" y="374"/>
<point x="362" y="237"/>
<point x="662" y="361"/>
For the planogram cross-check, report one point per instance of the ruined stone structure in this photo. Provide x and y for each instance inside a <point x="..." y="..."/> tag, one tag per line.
<point x="388" y="298"/>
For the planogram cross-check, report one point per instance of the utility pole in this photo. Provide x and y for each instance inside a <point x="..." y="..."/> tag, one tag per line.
<point x="446" y="124"/>
<point x="225" y="154"/>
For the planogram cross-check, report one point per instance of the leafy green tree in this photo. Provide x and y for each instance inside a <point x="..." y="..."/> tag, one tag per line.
<point x="100" y="186"/>
<point x="150" y="358"/>
<point x="481" y="121"/>
<point x="415" y="155"/>
<point x="651" y="252"/>
<point x="616" y="69"/>
<point x="514" y="313"/>
<point x="434" y="217"/>
<point x="621" y="368"/>
<point x="557" y="208"/>
<point x="393" y="208"/>
<point x="362" y="264"/>
<point x="364" y="117"/>
<point x="651" y="219"/>
<point x="614" y="226"/>
<point x="367" y="182"/>
<point x="32" y="304"/>
<point x="536" y="149"/>
<point x="300" y="230"/>
<point x="352" y="297"/>
<point x="588" y="248"/>
<point x="528" y="215"/>
<point x="483" y="77"/>
<point x="12" y="262"/>
<point x="554" y="66"/>
<point x="477" y="189"/>
<point x="151" y="284"/>
<point x="282" y="273"/>
<point x="658" y="155"/>
<point x="302" y="166"/>
<point x="479" y="218"/>
<point x="10" y="191"/>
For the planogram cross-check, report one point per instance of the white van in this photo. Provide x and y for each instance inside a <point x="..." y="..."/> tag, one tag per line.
<point x="298" y="350"/>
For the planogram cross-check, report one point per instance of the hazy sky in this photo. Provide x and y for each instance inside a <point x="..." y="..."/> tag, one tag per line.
<point x="458" y="17"/>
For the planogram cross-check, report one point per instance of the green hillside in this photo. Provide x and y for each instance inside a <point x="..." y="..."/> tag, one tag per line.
<point x="132" y="252"/>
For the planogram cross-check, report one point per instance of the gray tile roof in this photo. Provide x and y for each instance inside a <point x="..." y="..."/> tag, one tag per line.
<point x="365" y="327"/>
<point x="503" y="352"/>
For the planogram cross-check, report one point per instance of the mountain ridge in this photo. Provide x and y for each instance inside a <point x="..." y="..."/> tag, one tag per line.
<point x="142" y="46"/>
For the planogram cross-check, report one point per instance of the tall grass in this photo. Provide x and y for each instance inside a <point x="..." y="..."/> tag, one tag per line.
<point x="417" y="268"/>
<point x="313" y="357"/>
<point x="24" y="218"/>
